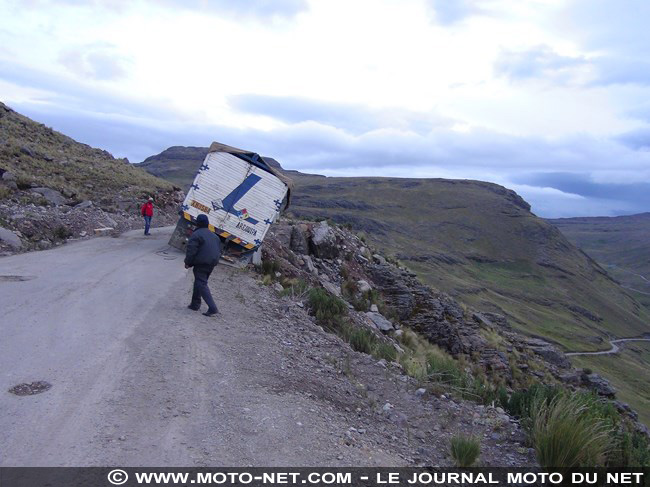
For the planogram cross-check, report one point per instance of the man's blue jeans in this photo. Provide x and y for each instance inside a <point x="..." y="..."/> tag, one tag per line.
<point x="147" y="224"/>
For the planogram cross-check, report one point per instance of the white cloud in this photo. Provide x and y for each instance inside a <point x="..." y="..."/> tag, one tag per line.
<point x="494" y="90"/>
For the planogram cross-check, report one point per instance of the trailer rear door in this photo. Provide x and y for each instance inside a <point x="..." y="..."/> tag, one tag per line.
<point x="239" y="198"/>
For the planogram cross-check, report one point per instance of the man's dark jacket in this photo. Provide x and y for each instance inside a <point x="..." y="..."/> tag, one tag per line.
<point x="203" y="248"/>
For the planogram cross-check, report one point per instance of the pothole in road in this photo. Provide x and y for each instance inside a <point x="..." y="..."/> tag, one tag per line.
<point x="16" y="278"/>
<point x="31" y="388"/>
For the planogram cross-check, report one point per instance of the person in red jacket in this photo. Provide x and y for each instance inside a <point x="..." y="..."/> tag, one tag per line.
<point x="147" y="213"/>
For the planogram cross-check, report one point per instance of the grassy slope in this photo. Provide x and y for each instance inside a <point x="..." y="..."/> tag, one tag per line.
<point x="620" y="244"/>
<point x="177" y="164"/>
<point x="40" y="156"/>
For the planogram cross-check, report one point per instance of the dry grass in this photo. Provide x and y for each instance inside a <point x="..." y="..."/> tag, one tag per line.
<point x="565" y="433"/>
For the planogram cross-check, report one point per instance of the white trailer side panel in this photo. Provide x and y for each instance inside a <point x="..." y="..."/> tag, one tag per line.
<point x="238" y="198"/>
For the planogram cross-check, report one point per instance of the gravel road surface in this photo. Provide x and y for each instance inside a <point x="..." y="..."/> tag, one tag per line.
<point x="137" y="378"/>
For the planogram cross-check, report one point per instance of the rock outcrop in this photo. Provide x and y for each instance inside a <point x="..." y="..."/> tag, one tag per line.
<point x="335" y="259"/>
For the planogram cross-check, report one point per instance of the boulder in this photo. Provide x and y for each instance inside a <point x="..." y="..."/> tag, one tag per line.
<point x="323" y="242"/>
<point x="600" y="385"/>
<point x="278" y="287"/>
<point x="363" y="286"/>
<point x="103" y="232"/>
<point x="379" y="321"/>
<point x="257" y="257"/>
<point x="10" y="238"/>
<point x="549" y="353"/>
<point x="83" y="205"/>
<point x="298" y="241"/>
<point x="572" y="377"/>
<point x="379" y="259"/>
<point x="331" y="288"/>
<point x="8" y="176"/>
<point x="51" y="195"/>
<point x="310" y="264"/>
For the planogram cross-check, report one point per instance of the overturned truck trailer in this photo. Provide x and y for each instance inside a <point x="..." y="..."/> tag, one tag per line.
<point x="240" y="194"/>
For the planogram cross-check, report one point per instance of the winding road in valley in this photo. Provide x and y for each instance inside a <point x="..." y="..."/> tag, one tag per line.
<point x="615" y="348"/>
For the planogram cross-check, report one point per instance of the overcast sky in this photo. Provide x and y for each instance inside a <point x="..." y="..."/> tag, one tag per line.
<point x="548" y="97"/>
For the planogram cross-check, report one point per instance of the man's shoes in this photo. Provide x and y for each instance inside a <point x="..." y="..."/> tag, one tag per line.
<point x="211" y="313"/>
<point x="194" y="308"/>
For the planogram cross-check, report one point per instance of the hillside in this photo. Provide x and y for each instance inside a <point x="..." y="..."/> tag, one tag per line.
<point x="53" y="187"/>
<point x="177" y="164"/>
<point x="620" y="244"/>
<point x="477" y="241"/>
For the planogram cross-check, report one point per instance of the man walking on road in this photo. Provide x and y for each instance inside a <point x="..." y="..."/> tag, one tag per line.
<point x="147" y="213"/>
<point x="202" y="253"/>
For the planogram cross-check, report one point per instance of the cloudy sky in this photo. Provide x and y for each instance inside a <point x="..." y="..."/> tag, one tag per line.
<point x="548" y="97"/>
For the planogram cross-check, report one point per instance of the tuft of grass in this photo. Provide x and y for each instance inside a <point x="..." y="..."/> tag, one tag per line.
<point x="632" y="450"/>
<point x="565" y="433"/>
<point x="385" y="351"/>
<point x="62" y="232"/>
<point x="270" y="267"/>
<point x="520" y="403"/>
<point x="5" y="193"/>
<point x="329" y="310"/>
<point x="464" y="450"/>
<point x="364" y="340"/>
<point x="295" y="288"/>
<point x="361" y="339"/>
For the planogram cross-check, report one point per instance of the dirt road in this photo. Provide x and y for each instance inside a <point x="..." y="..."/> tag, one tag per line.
<point x="614" y="347"/>
<point x="137" y="378"/>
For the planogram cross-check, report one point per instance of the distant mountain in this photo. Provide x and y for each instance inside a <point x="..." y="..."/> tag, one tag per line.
<point x="620" y="244"/>
<point x="179" y="164"/>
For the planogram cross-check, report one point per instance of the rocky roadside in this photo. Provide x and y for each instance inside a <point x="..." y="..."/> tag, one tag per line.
<point x="40" y="218"/>
<point x="388" y="414"/>
<point x="335" y="259"/>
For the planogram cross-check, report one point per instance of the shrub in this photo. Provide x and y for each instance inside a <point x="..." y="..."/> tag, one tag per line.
<point x="464" y="450"/>
<point x="520" y="402"/>
<point x="62" y="232"/>
<point x="270" y="267"/>
<point x="443" y="368"/>
<point x="329" y="310"/>
<point x="632" y="450"/>
<point x="362" y="340"/>
<point x="5" y="192"/>
<point x="565" y="433"/>
<point x="414" y="366"/>
<point x="385" y="351"/>
<point x="296" y="288"/>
